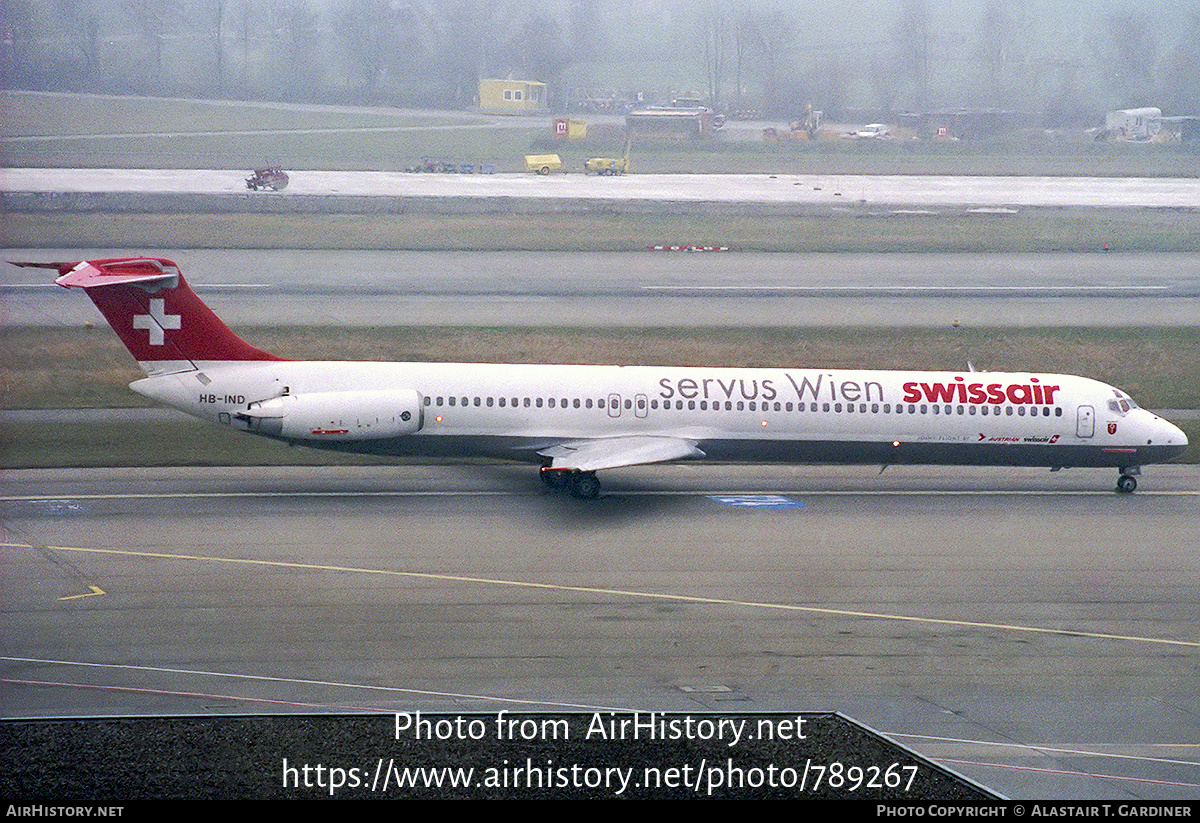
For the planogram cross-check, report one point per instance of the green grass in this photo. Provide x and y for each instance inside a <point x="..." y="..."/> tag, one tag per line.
<point x="1044" y="230"/>
<point x="40" y="114"/>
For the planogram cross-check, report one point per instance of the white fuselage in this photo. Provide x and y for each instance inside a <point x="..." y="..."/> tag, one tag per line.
<point x="760" y="415"/>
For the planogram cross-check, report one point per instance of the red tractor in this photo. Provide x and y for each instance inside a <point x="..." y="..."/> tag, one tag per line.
<point x="270" y="177"/>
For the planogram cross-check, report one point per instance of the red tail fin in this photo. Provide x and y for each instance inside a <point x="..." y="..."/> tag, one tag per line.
<point x="156" y="314"/>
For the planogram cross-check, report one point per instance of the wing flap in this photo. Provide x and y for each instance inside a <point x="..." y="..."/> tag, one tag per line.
<point x="614" y="452"/>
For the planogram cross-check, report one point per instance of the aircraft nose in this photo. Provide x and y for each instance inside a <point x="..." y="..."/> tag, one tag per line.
<point x="1170" y="435"/>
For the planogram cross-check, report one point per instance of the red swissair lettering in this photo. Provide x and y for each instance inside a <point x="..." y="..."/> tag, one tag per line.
<point x="960" y="391"/>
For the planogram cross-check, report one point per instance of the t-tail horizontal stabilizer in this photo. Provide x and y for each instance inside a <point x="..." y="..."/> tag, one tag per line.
<point x="158" y="317"/>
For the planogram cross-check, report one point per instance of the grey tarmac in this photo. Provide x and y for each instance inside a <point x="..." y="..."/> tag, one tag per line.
<point x="1000" y="620"/>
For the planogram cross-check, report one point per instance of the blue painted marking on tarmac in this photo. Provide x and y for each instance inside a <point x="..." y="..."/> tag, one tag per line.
<point x="757" y="501"/>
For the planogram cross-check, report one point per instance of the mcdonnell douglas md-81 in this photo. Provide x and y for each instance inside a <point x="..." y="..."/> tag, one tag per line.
<point x="578" y="420"/>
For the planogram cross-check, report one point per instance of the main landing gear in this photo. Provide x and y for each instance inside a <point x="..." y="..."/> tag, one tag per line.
<point x="1127" y="482"/>
<point x="583" y="485"/>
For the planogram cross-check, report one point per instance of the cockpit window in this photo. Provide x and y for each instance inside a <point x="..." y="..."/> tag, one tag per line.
<point x="1121" y="406"/>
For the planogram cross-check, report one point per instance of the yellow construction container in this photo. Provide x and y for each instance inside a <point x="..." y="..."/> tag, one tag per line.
<point x="544" y="163"/>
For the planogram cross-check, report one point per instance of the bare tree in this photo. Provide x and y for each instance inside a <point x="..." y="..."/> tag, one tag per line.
<point x="1181" y="72"/>
<point x="297" y="36"/>
<point x="994" y="46"/>
<point x="716" y="35"/>
<point x="1131" y="58"/>
<point x="774" y="36"/>
<point x="912" y="36"/>
<point x="884" y="77"/>
<point x="154" y="18"/>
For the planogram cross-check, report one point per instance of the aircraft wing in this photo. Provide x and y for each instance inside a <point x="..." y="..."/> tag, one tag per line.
<point x="613" y="452"/>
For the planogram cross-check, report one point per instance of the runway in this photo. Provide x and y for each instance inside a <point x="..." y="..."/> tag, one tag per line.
<point x="834" y="191"/>
<point x="647" y="289"/>
<point x="1034" y="631"/>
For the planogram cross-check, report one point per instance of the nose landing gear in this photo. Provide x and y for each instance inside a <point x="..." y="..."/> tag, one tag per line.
<point x="1127" y="482"/>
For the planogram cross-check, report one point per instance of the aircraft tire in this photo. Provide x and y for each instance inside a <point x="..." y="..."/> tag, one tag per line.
<point x="585" y="486"/>
<point x="554" y="479"/>
<point x="1126" y="484"/>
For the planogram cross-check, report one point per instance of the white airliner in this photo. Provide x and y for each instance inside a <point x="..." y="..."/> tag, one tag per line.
<point x="577" y="420"/>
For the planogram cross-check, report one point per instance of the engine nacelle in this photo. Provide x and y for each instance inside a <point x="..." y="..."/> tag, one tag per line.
<point x="344" y="415"/>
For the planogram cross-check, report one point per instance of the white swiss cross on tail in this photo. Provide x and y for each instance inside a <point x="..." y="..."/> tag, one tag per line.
<point x="156" y="321"/>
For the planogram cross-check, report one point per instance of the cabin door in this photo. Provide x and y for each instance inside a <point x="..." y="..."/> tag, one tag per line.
<point x="1085" y="423"/>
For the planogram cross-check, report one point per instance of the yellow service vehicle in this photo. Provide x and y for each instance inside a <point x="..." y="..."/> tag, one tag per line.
<point x="544" y="163"/>
<point x="608" y="165"/>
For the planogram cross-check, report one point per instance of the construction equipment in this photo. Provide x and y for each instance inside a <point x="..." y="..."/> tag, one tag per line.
<point x="268" y="177"/>
<point x="544" y="163"/>
<point x="609" y="165"/>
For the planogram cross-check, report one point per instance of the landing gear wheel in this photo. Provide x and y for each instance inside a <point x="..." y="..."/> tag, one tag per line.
<point x="1126" y="484"/>
<point x="584" y="485"/>
<point x="553" y="478"/>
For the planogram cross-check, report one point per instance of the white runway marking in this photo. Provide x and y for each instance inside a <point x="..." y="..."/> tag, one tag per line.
<point x="675" y="598"/>
<point x="303" y="682"/>
<point x="1051" y="749"/>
